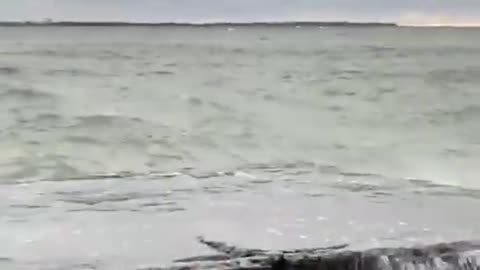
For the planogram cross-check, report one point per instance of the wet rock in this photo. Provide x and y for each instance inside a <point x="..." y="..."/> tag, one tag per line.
<point x="463" y="255"/>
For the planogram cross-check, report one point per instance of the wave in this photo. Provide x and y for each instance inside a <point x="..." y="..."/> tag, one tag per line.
<point x="26" y="94"/>
<point x="79" y="139"/>
<point x="49" y="117"/>
<point x="74" y="72"/>
<point x="296" y="173"/>
<point x="112" y="55"/>
<point x="157" y="72"/>
<point x="459" y="75"/>
<point x="101" y="120"/>
<point x="43" y="53"/>
<point x="9" y="70"/>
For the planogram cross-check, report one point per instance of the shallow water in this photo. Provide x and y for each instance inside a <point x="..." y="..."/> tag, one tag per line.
<point x="121" y="145"/>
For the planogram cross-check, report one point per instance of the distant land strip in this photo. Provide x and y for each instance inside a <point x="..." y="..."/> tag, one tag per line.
<point x="215" y="24"/>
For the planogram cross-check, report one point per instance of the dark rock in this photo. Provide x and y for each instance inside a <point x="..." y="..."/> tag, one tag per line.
<point x="463" y="255"/>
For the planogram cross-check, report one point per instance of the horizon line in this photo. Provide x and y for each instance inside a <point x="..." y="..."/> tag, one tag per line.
<point x="180" y="23"/>
<point x="306" y="23"/>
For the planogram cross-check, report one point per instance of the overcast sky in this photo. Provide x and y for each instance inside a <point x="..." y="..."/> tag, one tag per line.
<point x="408" y="11"/>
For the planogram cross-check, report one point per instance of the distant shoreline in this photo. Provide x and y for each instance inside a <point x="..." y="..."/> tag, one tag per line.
<point x="219" y="24"/>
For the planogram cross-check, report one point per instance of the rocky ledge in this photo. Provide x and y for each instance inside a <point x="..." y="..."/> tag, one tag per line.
<point x="461" y="255"/>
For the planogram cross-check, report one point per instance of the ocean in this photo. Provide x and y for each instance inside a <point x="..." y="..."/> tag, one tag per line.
<point x="120" y="145"/>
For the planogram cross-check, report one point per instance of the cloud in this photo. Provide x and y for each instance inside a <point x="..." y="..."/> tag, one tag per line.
<point x="415" y="18"/>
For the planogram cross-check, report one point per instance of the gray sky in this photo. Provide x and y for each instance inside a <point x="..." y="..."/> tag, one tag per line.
<point x="405" y="11"/>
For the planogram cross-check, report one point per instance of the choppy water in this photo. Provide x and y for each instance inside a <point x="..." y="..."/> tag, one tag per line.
<point x="120" y="145"/>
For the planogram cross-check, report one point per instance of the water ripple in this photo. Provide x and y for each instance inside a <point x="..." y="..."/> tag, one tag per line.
<point x="94" y="199"/>
<point x="26" y="94"/>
